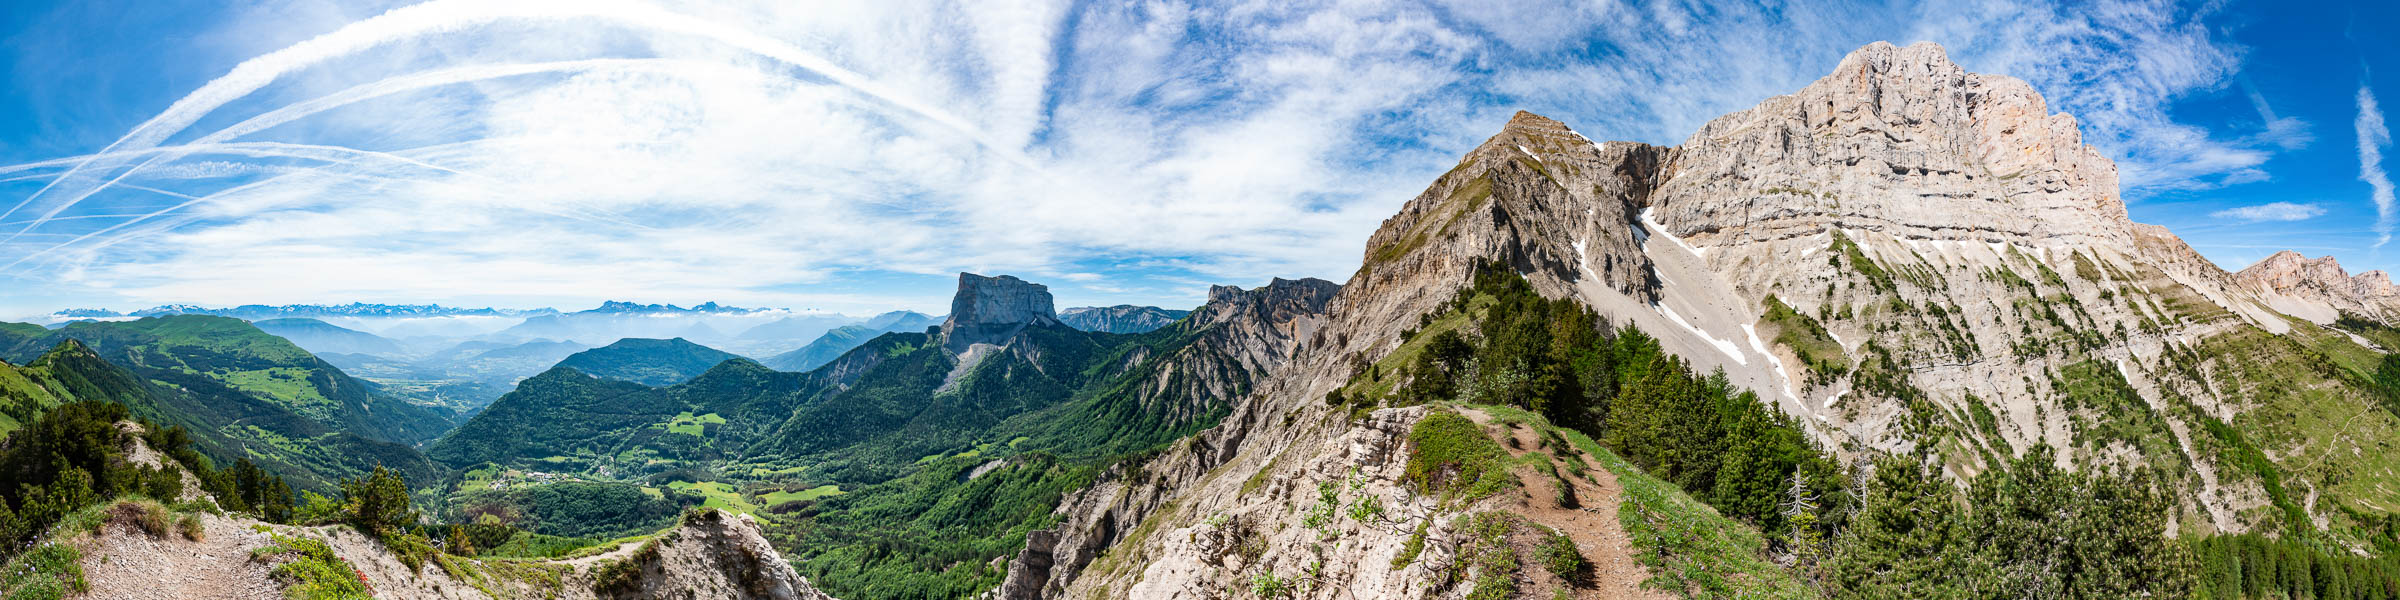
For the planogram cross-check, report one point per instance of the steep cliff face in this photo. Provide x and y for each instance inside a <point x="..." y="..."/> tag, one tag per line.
<point x="2300" y="283"/>
<point x="1954" y="269"/>
<point x="1243" y="337"/>
<point x="988" y="310"/>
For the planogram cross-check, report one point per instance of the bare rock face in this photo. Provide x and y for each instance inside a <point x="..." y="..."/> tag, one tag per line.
<point x="1245" y="336"/>
<point x="991" y="309"/>
<point x="715" y="554"/>
<point x="2370" y="294"/>
<point x="1940" y="223"/>
<point x="1901" y="141"/>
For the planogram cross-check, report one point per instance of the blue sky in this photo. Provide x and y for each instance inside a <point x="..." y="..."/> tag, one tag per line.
<point x="852" y="156"/>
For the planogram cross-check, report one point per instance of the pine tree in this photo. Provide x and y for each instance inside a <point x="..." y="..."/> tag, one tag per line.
<point x="378" y="504"/>
<point x="1906" y="541"/>
<point x="1804" y="543"/>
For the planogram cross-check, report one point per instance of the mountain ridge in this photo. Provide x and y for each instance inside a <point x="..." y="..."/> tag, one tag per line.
<point x="1122" y="318"/>
<point x="1898" y="256"/>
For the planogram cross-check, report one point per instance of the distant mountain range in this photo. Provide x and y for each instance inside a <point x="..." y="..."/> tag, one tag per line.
<point x="256" y="312"/>
<point x="833" y="343"/>
<point x="320" y="337"/>
<point x="1122" y="318"/>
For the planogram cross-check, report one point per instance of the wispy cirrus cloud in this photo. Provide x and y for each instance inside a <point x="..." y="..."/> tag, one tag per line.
<point x="2272" y="211"/>
<point x="559" y="153"/>
<point x="2373" y="136"/>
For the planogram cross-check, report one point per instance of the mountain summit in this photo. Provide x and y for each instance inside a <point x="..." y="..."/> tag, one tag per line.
<point x="2322" y="280"/>
<point x="1903" y="258"/>
<point x="988" y="310"/>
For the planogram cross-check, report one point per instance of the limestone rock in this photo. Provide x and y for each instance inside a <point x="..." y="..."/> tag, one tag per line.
<point x="2370" y="294"/>
<point x="1944" y="222"/>
<point x="989" y="310"/>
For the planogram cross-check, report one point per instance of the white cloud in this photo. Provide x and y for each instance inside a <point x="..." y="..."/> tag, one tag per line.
<point x="566" y="152"/>
<point x="2373" y="136"/>
<point x="2272" y="211"/>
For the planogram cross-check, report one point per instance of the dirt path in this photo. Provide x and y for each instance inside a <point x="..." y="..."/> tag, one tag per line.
<point x="621" y="551"/>
<point x="1592" y="523"/>
<point x="125" y="563"/>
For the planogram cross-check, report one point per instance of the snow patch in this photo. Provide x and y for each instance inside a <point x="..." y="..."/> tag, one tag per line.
<point x="1780" y="372"/>
<point x="1730" y="350"/>
<point x="1536" y="157"/>
<point x="1650" y="223"/>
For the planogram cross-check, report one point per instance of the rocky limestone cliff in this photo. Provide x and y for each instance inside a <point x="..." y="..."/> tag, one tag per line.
<point x="1122" y="318"/>
<point x="2322" y="280"/>
<point x="988" y="310"/>
<point x="1245" y="336"/>
<point x="1938" y="225"/>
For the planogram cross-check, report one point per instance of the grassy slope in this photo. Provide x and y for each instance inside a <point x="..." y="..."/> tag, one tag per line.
<point x="233" y="386"/>
<point x="650" y="362"/>
<point x="1684" y="543"/>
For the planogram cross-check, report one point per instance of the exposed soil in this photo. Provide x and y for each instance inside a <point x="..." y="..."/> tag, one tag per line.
<point x="1592" y="523"/>
<point x="124" y="562"/>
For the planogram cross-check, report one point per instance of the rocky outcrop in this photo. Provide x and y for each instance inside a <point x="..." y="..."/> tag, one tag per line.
<point x="1122" y="318"/>
<point x="714" y="554"/>
<point x="711" y="555"/>
<point x="1244" y="337"/>
<point x="1943" y="222"/>
<point x="1900" y="141"/>
<point x="989" y="310"/>
<point x="2287" y="273"/>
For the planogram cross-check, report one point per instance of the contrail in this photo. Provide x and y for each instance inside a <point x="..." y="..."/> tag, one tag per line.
<point x="287" y="150"/>
<point x="317" y="152"/>
<point x="427" y="79"/>
<point x="446" y="16"/>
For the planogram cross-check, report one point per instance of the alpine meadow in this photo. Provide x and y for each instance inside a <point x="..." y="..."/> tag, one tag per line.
<point x="1327" y="299"/>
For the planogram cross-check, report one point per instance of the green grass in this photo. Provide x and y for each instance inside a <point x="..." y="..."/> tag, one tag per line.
<point x="48" y="571"/>
<point x="2312" y="414"/>
<point x="1824" y="357"/>
<point x="694" y="426"/>
<point x="287" y="385"/>
<point x="763" y="472"/>
<point x="1450" y="455"/>
<point x="1858" y="261"/>
<point x="719" y="494"/>
<point x="779" y="497"/>
<point x="315" y="573"/>
<point x="2107" y="410"/>
<point x="1689" y="548"/>
<point x="1393" y="364"/>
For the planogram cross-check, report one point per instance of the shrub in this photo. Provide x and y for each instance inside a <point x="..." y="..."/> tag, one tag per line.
<point x="190" y="527"/>
<point x="1267" y="585"/>
<point x="1559" y="555"/>
<point x="316" y="572"/>
<point x="148" y="516"/>
<point x="1450" y="455"/>
<point x="624" y="575"/>
<point x="1413" y="547"/>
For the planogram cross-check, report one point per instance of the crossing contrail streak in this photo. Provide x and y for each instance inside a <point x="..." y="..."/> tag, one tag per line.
<point x="433" y="18"/>
<point x="318" y="152"/>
